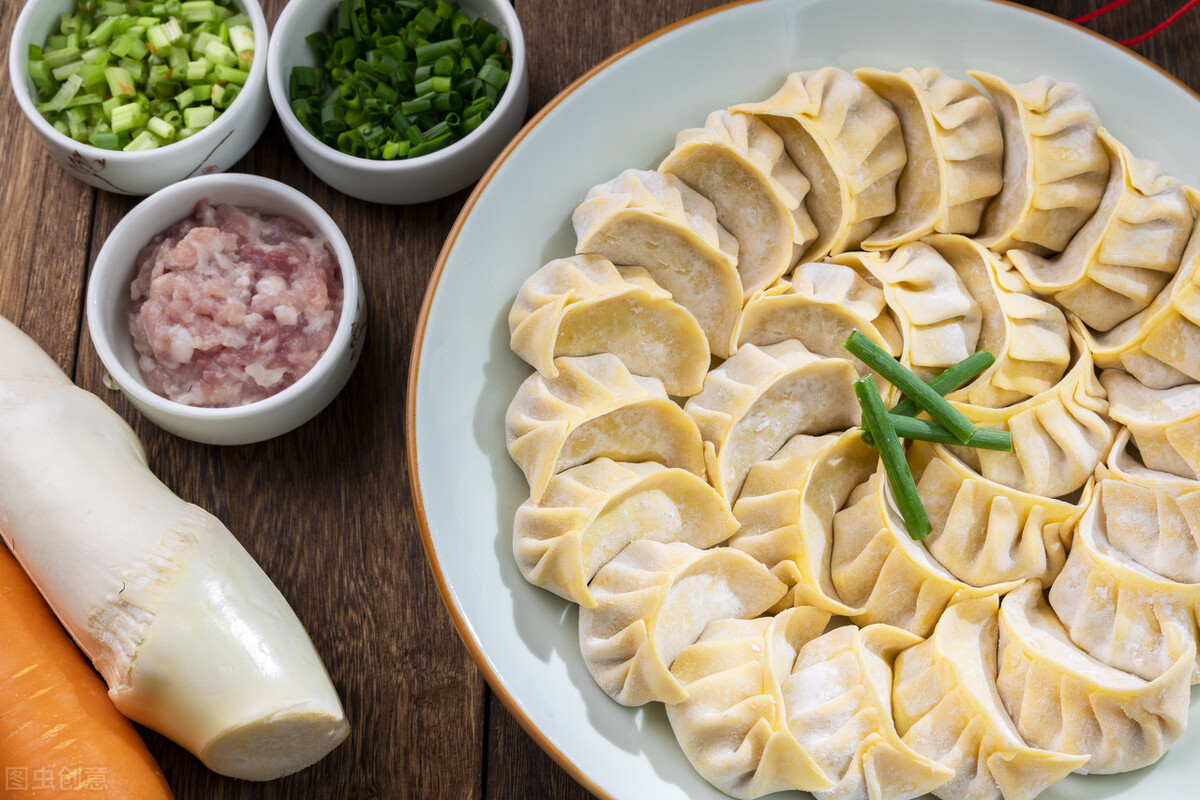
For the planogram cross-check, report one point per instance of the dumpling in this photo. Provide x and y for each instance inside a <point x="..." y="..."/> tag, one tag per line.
<point x="1125" y="254"/>
<point x="1160" y="345"/>
<point x="878" y="567"/>
<point x="1164" y="423"/>
<point x="1062" y="699"/>
<point x="596" y="408"/>
<point x="761" y="397"/>
<point x="644" y="219"/>
<point x="1029" y="337"/>
<point x="1059" y="436"/>
<point x="583" y="305"/>
<point x="739" y="163"/>
<point x="947" y="708"/>
<point x="848" y="142"/>
<point x="955" y="154"/>
<point x="1055" y="168"/>
<point x="786" y="512"/>
<point x="733" y="726"/>
<point x="839" y="707"/>
<point x="985" y="532"/>
<point x="1151" y="516"/>
<point x="819" y="305"/>
<point x="939" y="319"/>
<point x="655" y="599"/>
<point x="590" y="512"/>
<point x="1117" y="610"/>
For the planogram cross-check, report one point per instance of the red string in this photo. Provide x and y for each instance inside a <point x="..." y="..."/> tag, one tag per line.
<point x="1159" y="28"/>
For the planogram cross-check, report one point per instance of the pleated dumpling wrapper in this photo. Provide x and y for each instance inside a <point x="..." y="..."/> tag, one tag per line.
<point x="877" y="567"/>
<point x="955" y="154"/>
<point x="761" y="397"/>
<point x="1064" y="700"/>
<point x="1125" y="254"/>
<point x="847" y="141"/>
<point x="985" y="532"/>
<point x="657" y="222"/>
<point x="1151" y="516"/>
<point x="1119" y="611"/>
<point x="786" y="512"/>
<point x="819" y="305"/>
<point x="939" y="320"/>
<point x="590" y="512"/>
<point x="596" y="408"/>
<point x="739" y="163"/>
<point x="1055" y="168"/>
<point x="1160" y="345"/>
<point x="1029" y="337"/>
<point x="839" y="707"/>
<point x="947" y="708"/>
<point x="733" y="726"/>
<point x="1058" y="436"/>
<point x="1164" y="423"/>
<point x="583" y="305"/>
<point x="655" y="599"/>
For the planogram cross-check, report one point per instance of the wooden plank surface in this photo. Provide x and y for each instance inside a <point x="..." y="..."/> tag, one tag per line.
<point x="326" y="508"/>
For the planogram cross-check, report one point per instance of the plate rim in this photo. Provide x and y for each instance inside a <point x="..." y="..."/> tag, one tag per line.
<point x="461" y="624"/>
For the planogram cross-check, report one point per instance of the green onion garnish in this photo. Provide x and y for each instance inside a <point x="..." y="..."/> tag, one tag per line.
<point x="956" y="376"/>
<point x="913" y="387"/>
<point x="399" y="78"/>
<point x="925" y="430"/>
<point x="878" y="423"/>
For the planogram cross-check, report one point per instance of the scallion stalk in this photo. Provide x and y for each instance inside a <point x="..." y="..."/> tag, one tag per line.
<point x="876" y="420"/>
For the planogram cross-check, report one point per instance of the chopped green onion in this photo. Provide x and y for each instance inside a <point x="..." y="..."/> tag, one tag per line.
<point x="926" y="398"/>
<point x="953" y="378"/>
<point x="925" y="430"/>
<point x="877" y="422"/>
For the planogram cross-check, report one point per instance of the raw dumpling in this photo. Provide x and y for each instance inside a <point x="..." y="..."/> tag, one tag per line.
<point x="955" y="154"/>
<point x="847" y="141"/>
<point x="1059" y="436"/>
<point x="733" y="726"/>
<point x="1160" y="345"/>
<point x="590" y="512"/>
<point x="985" y="532"/>
<point x="1151" y="516"/>
<point x="878" y="567"/>
<point x="1062" y="699"/>
<point x="839" y="707"/>
<point x="939" y="319"/>
<point x="644" y="219"/>
<point x="1127" y="251"/>
<point x="739" y="163"/>
<point x="1055" y="168"/>
<point x="946" y="707"/>
<point x="761" y="397"/>
<point x="655" y="599"/>
<point x="1164" y="423"/>
<point x="1117" y="610"/>
<point x="1028" y="336"/>
<point x="786" y="512"/>
<point x="583" y="305"/>
<point x="596" y="408"/>
<point x="819" y="305"/>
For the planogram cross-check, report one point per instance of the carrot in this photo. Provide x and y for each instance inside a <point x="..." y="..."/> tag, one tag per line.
<point x="60" y="734"/>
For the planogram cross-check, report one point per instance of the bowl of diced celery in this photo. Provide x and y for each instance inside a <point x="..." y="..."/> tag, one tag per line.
<point x="131" y="96"/>
<point x="398" y="101"/>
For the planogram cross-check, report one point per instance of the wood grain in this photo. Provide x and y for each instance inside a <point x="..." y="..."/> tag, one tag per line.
<point x="326" y="508"/>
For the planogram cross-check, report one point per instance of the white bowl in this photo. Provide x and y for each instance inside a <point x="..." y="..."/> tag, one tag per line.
<point x="108" y="311"/>
<point x="214" y="149"/>
<point x="417" y="180"/>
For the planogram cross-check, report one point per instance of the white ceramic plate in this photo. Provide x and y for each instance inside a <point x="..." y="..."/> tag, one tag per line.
<point x="626" y="114"/>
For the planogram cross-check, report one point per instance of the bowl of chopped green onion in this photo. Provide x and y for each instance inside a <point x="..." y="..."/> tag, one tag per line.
<point x="131" y="96"/>
<point x="398" y="101"/>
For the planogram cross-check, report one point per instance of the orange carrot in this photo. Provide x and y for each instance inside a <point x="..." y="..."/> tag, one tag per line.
<point x="60" y="734"/>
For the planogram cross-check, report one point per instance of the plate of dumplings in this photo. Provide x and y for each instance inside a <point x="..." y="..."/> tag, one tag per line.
<point x="635" y="444"/>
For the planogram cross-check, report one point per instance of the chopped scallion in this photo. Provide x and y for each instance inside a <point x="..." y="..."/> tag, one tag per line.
<point x="877" y="421"/>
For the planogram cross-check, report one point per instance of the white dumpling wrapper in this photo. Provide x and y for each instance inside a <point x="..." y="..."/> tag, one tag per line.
<point x="1164" y="423"/>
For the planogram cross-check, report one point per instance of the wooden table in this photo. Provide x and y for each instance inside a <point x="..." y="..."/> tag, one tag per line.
<point x="326" y="508"/>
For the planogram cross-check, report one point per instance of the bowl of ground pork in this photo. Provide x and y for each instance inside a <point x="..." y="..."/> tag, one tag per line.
<point x="227" y="308"/>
